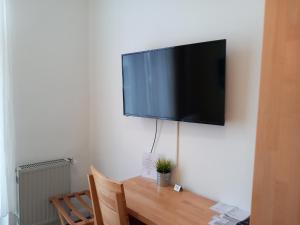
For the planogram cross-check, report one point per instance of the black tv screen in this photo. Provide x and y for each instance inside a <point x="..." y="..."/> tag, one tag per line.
<point x="182" y="83"/>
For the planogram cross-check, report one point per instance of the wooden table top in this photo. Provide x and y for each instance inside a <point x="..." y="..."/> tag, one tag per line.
<point x="163" y="206"/>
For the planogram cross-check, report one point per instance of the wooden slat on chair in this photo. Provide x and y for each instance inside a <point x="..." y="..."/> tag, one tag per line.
<point x="111" y="198"/>
<point x="95" y="201"/>
<point x="74" y="209"/>
<point x="72" y="195"/>
<point x="62" y="212"/>
<point x="60" y="201"/>
<point x="83" y="203"/>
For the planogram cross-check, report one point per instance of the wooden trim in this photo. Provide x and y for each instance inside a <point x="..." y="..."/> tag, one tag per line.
<point x="74" y="209"/>
<point x="83" y="203"/>
<point x="64" y="215"/>
<point x="71" y="195"/>
<point x="62" y="212"/>
<point x="95" y="201"/>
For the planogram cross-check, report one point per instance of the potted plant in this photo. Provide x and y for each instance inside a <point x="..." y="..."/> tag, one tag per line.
<point x="163" y="168"/>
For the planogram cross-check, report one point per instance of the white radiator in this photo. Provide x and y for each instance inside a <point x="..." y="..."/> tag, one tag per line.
<point x="36" y="183"/>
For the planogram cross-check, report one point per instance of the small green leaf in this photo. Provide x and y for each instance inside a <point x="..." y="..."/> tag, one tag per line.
<point x="163" y="166"/>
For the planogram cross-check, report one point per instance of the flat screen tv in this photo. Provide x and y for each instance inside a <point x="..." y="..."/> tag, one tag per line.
<point x="181" y="83"/>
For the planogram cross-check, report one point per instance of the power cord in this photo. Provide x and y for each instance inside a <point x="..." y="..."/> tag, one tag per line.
<point x="154" y="136"/>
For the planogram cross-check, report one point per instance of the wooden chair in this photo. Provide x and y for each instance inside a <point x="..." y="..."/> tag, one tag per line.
<point x="108" y="200"/>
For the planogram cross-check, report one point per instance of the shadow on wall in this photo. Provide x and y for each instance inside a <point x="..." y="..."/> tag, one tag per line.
<point x="238" y="74"/>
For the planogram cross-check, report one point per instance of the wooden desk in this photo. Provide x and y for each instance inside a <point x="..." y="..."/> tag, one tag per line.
<point x="163" y="206"/>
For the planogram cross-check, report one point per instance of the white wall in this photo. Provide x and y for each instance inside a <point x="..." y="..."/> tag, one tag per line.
<point x="50" y="79"/>
<point x="55" y="102"/>
<point x="216" y="162"/>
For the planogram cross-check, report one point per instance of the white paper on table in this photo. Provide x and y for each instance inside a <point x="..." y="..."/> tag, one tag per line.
<point x="213" y="220"/>
<point x="223" y="220"/>
<point x="149" y="165"/>
<point x="238" y="214"/>
<point x="222" y="208"/>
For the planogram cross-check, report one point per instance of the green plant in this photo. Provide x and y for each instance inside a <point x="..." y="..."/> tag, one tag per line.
<point x="163" y="166"/>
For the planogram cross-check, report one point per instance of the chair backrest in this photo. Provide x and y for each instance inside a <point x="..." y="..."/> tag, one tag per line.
<point x="95" y="201"/>
<point x="111" y="199"/>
